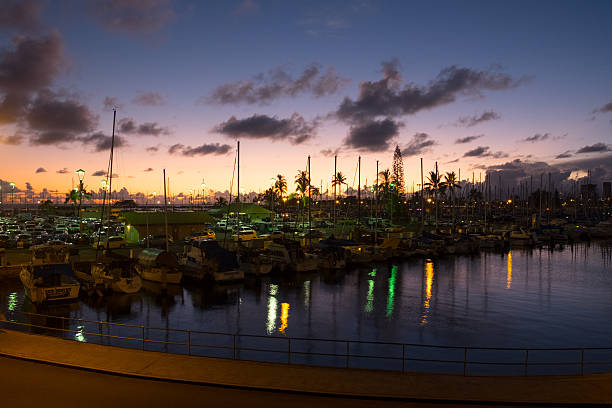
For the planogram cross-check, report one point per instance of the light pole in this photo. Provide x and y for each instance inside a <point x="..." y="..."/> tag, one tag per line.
<point x="12" y="185"/>
<point x="203" y="185"/>
<point x="81" y="174"/>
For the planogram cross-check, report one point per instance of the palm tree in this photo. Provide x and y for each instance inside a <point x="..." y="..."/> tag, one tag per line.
<point x="338" y="180"/>
<point x="434" y="186"/>
<point x="280" y="186"/>
<point x="451" y="183"/>
<point x="220" y="201"/>
<point x="75" y="196"/>
<point x="301" y="182"/>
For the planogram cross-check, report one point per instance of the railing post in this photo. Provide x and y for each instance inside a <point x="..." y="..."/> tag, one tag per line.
<point x="403" y="358"/>
<point x="189" y="342"/>
<point x="143" y="337"/>
<point x="347" y="353"/>
<point x="526" y="361"/>
<point x="234" y="346"/>
<point x="288" y="350"/>
<point x="465" y="361"/>
<point x="581" y="361"/>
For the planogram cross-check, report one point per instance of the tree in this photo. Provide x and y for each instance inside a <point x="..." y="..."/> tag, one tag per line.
<point x="75" y="196"/>
<point x="397" y="176"/>
<point x="220" y="201"/>
<point x="280" y="186"/>
<point x="338" y="180"/>
<point x="301" y="182"/>
<point x="46" y="206"/>
<point x="451" y="183"/>
<point x="434" y="186"/>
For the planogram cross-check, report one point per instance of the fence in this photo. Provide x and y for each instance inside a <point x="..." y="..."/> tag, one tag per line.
<point x="402" y="357"/>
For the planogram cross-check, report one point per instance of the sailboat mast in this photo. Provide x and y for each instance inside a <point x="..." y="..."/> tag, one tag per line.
<point x="110" y="174"/>
<point x="359" y="191"/>
<point x="165" y="212"/>
<point x="309" y="229"/>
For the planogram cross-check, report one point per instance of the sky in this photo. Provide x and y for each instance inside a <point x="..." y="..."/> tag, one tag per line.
<point x="520" y="88"/>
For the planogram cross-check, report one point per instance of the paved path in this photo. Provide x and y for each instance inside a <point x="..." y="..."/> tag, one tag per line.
<point x="178" y="372"/>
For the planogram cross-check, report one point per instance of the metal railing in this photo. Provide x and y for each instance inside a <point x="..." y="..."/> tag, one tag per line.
<point x="404" y="357"/>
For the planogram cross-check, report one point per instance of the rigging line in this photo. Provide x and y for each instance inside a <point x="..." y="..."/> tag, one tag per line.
<point x="229" y="204"/>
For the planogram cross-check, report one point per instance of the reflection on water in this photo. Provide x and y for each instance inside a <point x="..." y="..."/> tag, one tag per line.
<point x="558" y="298"/>
<point x="429" y="275"/>
<point x="509" y="275"/>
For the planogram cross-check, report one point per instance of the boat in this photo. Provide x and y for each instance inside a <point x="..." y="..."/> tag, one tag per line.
<point x="289" y="255"/>
<point x="520" y="237"/>
<point x="204" y="259"/>
<point x="50" y="277"/>
<point x="157" y="265"/>
<point x="252" y="262"/>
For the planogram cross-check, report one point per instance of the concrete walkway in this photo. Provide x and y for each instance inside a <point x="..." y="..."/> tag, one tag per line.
<point x="548" y="390"/>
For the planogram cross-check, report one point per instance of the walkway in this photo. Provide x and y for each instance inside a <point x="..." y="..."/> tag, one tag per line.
<point x="180" y="370"/>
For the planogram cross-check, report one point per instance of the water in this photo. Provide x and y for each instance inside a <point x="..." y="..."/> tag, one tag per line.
<point x="519" y="298"/>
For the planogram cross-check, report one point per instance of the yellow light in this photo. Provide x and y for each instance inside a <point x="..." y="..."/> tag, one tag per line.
<point x="509" y="201"/>
<point x="509" y="277"/>
<point x="284" y="317"/>
<point x="429" y="200"/>
<point x="429" y="275"/>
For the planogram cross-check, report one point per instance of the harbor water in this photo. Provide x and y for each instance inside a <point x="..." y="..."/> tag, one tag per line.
<point x="516" y="298"/>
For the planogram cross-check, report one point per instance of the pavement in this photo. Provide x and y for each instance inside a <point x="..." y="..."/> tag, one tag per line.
<point x="592" y="389"/>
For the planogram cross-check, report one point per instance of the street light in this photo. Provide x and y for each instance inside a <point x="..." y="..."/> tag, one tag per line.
<point x="12" y="193"/>
<point x="81" y="174"/>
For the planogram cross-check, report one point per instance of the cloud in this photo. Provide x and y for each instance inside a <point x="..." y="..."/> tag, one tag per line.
<point x="388" y="98"/>
<point x="25" y="69"/>
<point x="420" y="143"/>
<point x="467" y="139"/>
<point x="152" y="149"/>
<point x="372" y="136"/>
<point x="538" y="137"/>
<point x="294" y="129"/>
<point x="276" y="84"/>
<point x="12" y="140"/>
<point x="149" y="99"/>
<point x="133" y="16"/>
<point x="63" y="171"/>
<point x="330" y="152"/>
<point x="40" y="170"/>
<point x="128" y="125"/>
<point x="564" y="155"/>
<point x="202" y="150"/>
<point x="246" y="7"/>
<point x="148" y="169"/>
<point x="99" y="173"/>
<point x="483" y="151"/>
<point x="53" y="119"/>
<point x="595" y="148"/>
<point x="21" y="14"/>
<point x="101" y="142"/>
<point x="110" y="103"/>
<point x="469" y="121"/>
<point x="606" y="108"/>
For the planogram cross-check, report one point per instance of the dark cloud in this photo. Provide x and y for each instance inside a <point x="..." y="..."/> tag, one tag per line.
<point x="420" y="143"/>
<point x="469" y="121"/>
<point x="53" y="119"/>
<point x="330" y="152"/>
<point x="101" y="142"/>
<point x="467" y="139"/>
<point x="564" y="155"/>
<point x="387" y="98"/>
<point x="202" y="150"/>
<point x="110" y="103"/>
<point x="152" y="149"/>
<point x="483" y="151"/>
<point x="99" y="173"/>
<point x="372" y="136"/>
<point x="134" y="16"/>
<point x="452" y="161"/>
<point x="278" y="83"/>
<point x="538" y="137"/>
<point x="20" y="14"/>
<point x="606" y="108"/>
<point x="63" y="171"/>
<point x="149" y="99"/>
<point x="148" y="169"/>
<point x="128" y="125"/>
<point x="595" y="148"/>
<point x="26" y="68"/>
<point x="40" y="170"/>
<point x="12" y="140"/>
<point x="294" y="129"/>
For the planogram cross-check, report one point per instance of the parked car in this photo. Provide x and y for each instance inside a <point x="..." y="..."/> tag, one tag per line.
<point x="207" y="235"/>
<point x="23" y="241"/>
<point x="110" y="243"/>
<point x="6" y="241"/>
<point x="245" y="234"/>
<point x="155" y="241"/>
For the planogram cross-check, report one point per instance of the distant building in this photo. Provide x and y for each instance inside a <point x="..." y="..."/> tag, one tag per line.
<point x="588" y="191"/>
<point x="607" y="190"/>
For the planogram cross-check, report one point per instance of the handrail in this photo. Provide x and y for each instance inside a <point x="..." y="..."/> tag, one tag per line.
<point x="390" y="354"/>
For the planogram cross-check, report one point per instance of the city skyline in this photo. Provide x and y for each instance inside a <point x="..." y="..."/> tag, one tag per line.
<point x="354" y="79"/>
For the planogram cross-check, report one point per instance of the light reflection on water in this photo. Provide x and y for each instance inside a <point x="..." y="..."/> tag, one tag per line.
<point x="520" y="298"/>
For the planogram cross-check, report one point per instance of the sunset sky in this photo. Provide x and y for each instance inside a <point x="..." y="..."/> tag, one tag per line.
<point x="522" y="87"/>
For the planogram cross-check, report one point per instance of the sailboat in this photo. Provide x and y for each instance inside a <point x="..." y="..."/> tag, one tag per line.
<point x="110" y="271"/>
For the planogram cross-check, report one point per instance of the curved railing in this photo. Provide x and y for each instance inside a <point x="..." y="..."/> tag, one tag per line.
<point x="404" y="357"/>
